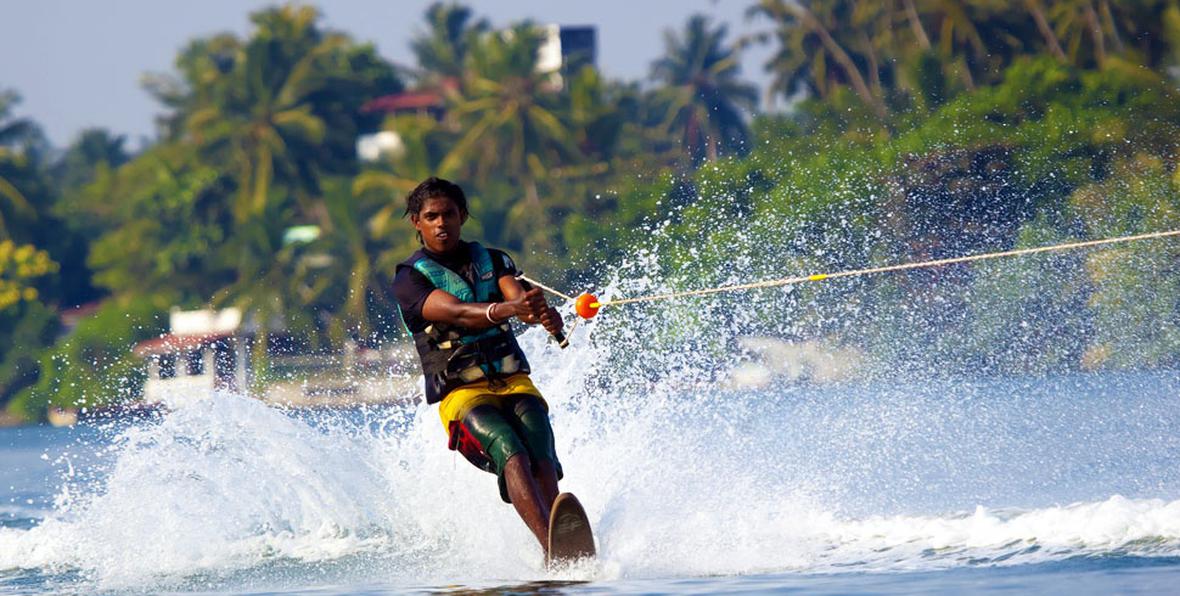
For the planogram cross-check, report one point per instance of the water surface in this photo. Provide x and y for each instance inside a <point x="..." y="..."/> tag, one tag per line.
<point x="1062" y="483"/>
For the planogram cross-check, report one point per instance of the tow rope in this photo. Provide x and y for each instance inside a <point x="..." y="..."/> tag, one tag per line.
<point x="587" y="305"/>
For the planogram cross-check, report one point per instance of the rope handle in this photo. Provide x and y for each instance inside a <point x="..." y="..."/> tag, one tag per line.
<point x="562" y="341"/>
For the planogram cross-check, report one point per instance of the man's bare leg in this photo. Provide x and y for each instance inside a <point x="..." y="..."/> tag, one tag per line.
<point x="530" y="503"/>
<point x="545" y="473"/>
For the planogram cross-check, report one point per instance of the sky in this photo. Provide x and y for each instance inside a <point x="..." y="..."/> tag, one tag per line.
<point x="78" y="64"/>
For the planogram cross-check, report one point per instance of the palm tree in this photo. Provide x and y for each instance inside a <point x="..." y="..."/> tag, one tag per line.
<point x="426" y="141"/>
<point x="266" y="285"/>
<point x="705" y="99"/>
<point x="281" y="108"/>
<point x="259" y="118"/>
<point x="807" y="40"/>
<point x="442" y="49"/>
<point x="202" y="65"/>
<point x="512" y="124"/>
<point x="967" y="40"/>
<point x="1092" y="30"/>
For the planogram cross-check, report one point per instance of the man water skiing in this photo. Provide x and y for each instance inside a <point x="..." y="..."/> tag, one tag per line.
<point x="456" y="298"/>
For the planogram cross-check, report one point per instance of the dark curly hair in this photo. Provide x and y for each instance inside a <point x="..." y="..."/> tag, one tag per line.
<point x="435" y="187"/>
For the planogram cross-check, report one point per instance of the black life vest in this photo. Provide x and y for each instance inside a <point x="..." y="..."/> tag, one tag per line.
<point x="453" y="356"/>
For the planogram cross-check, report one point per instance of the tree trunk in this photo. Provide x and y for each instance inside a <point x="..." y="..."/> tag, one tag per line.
<point x="911" y="13"/>
<point x="968" y="80"/>
<point x="1097" y="34"/>
<point x="532" y="196"/>
<point x="1108" y="16"/>
<point x="874" y="68"/>
<point x="1034" y="7"/>
<point x="539" y="233"/>
<point x="693" y="136"/>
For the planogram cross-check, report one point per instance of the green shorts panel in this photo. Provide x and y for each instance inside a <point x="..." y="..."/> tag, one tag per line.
<point x="520" y="424"/>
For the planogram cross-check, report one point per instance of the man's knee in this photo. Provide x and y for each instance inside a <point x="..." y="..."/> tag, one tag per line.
<point x="545" y="470"/>
<point x="519" y="462"/>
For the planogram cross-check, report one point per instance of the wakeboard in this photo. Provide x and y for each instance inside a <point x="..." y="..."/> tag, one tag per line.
<point x="570" y="537"/>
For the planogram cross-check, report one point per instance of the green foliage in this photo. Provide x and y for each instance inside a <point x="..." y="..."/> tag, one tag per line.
<point x="257" y="125"/>
<point x="82" y="174"/>
<point x="891" y="57"/>
<point x="93" y="366"/>
<point x="1044" y="154"/>
<point x="514" y="130"/>
<point x="94" y="153"/>
<point x="30" y="192"/>
<point x="29" y="328"/>
<point x="165" y="234"/>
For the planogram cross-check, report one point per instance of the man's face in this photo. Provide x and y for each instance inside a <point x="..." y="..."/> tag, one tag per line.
<point x="439" y="222"/>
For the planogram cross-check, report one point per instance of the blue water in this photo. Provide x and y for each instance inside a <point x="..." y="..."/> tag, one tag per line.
<point x="1052" y="484"/>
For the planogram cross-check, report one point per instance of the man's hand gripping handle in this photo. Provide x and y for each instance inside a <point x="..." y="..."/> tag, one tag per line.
<point x="559" y="336"/>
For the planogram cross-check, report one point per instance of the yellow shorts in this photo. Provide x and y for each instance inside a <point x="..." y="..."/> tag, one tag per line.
<point x="459" y="401"/>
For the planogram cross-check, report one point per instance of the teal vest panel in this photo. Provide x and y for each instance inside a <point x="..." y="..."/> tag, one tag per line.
<point x="451" y="283"/>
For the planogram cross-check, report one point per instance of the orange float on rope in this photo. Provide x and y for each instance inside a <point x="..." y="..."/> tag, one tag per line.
<point x="587" y="305"/>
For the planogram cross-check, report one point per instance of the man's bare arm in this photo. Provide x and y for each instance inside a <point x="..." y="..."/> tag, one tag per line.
<point x="529" y="306"/>
<point x="536" y="309"/>
<point x="443" y="307"/>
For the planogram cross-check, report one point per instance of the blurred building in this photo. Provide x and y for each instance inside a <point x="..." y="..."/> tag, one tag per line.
<point x="204" y="350"/>
<point x="565" y="50"/>
<point x="212" y="350"/>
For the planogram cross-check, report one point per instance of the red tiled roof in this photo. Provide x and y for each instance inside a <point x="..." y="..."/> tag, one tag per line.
<point x="171" y="344"/>
<point x="413" y="100"/>
<point x="71" y="316"/>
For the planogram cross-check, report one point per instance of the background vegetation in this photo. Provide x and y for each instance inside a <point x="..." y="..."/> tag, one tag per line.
<point x="904" y="130"/>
